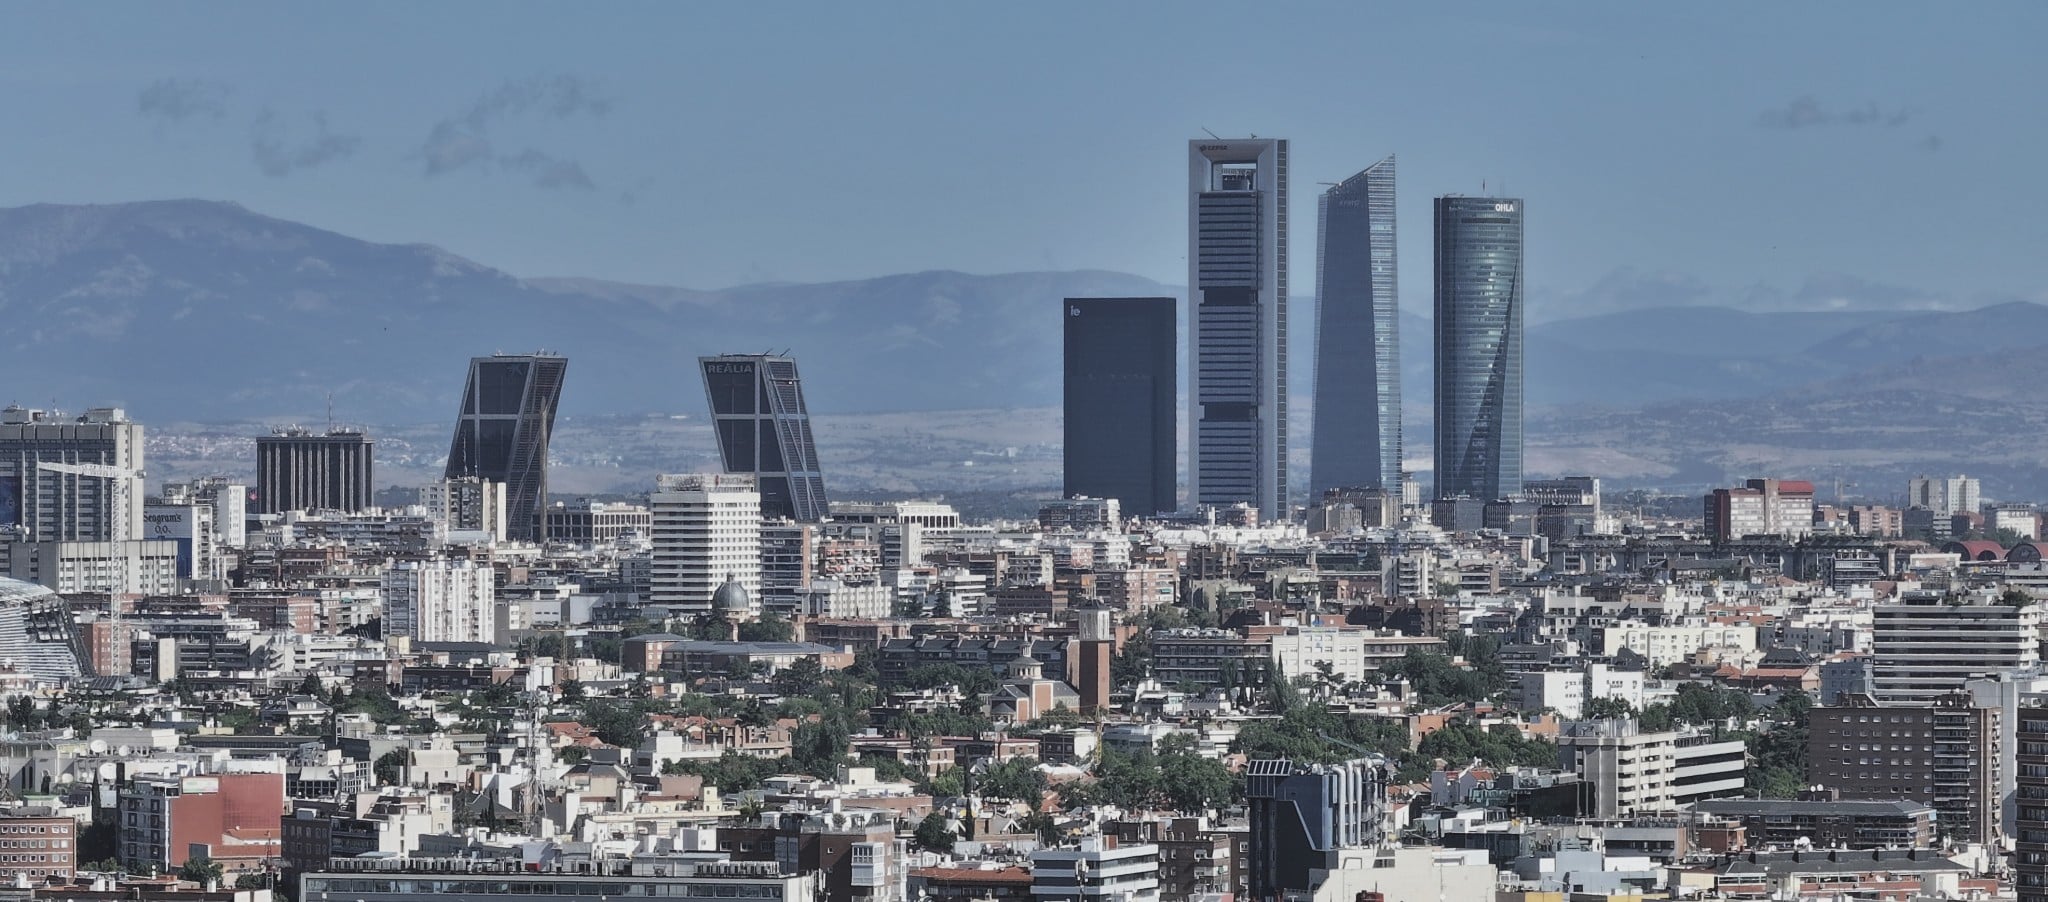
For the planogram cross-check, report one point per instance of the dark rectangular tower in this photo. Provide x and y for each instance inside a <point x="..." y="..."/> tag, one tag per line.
<point x="501" y="434"/>
<point x="764" y="428"/>
<point x="1121" y="434"/>
<point x="1237" y="312"/>
<point x="1478" y="347"/>
<point x="1358" y="342"/>
<point x="301" y="470"/>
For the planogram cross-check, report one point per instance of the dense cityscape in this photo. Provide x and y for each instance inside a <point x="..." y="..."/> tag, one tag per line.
<point x="1189" y="677"/>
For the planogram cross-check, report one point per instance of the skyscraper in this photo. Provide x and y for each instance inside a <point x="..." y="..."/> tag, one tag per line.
<point x="1478" y="347"/>
<point x="1121" y="433"/>
<point x="1237" y="282"/>
<point x="1358" y="342"/>
<point x="501" y="434"/>
<point x="764" y="429"/>
<point x="301" y="470"/>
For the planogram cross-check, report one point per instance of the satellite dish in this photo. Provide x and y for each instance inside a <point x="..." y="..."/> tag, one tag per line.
<point x="108" y="771"/>
<point x="121" y="751"/>
<point x="97" y="746"/>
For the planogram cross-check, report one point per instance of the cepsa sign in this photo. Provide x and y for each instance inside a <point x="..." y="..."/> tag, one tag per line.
<point x="1503" y="208"/>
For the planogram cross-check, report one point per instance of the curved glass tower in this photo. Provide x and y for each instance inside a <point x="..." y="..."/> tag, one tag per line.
<point x="1478" y="347"/>
<point x="1358" y="344"/>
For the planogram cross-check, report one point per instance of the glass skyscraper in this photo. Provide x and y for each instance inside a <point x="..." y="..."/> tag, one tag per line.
<point x="1237" y="285"/>
<point x="1358" y="342"/>
<point x="1121" y="434"/>
<point x="1478" y="347"/>
<point x="501" y="435"/>
<point x="764" y="428"/>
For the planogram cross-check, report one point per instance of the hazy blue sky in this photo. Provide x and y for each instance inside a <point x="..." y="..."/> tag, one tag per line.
<point x="1771" y="155"/>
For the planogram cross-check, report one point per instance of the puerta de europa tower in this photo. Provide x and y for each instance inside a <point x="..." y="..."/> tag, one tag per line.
<point x="508" y="412"/>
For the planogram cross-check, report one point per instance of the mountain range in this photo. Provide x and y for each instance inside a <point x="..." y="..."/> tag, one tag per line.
<point x="192" y="311"/>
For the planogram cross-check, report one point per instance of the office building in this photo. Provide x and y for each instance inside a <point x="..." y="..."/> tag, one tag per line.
<point x="301" y="470"/>
<point x="1761" y="507"/>
<point x="502" y="431"/>
<point x="134" y="567"/>
<point x="228" y="818"/>
<point x="1945" y="496"/>
<point x="441" y="600"/>
<point x="1304" y="816"/>
<point x="70" y="479"/>
<point x="764" y="430"/>
<point x="189" y="526"/>
<point x="1357" y="440"/>
<point x="1478" y="347"/>
<point x="468" y="503"/>
<point x="1237" y="351"/>
<point x="580" y="878"/>
<point x="1099" y="868"/>
<point x="1121" y="430"/>
<point x="707" y="530"/>
<point x="41" y="844"/>
<point x="230" y="503"/>
<point x="1828" y="823"/>
<point x="1943" y="752"/>
<point x="1923" y="647"/>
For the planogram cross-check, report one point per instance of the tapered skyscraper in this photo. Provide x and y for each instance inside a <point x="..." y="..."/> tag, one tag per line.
<point x="508" y="412"/>
<point x="764" y="429"/>
<point x="1358" y="341"/>
<point x="1237" y="286"/>
<point x="1478" y="347"/>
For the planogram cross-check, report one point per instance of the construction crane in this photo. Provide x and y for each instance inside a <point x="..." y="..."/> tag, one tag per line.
<point x="118" y="516"/>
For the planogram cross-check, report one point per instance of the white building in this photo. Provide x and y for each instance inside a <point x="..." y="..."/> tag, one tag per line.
<point x="467" y="504"/>
<point x="1352" y="654"/>
<point x="1670" y="644"/>
<point x="1568" y="691"/>
<point x="121" y="568"/>
<point x="707" y="529"/>
<point x="1634" y="771"/>
<point x="189" y="525"/>
<point x="1943" y="495"/>
<point x="230" y="503"/>
<point x="1096" y="871"/>
<point x="1925" y="646"/>
<point x="441" y="601"/>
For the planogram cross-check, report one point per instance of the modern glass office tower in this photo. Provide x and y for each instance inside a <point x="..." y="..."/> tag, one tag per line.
<point x="1121" y="434"/>
<point x="1237" y="281"/>
<point x="1358" y="342"/>
<point x="764" y="429"/>
<point x="1478" y="347"/>
<point x="501" y="434"/>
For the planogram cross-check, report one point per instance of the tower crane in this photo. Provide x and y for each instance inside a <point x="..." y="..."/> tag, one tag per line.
<point x="118" y="517"/>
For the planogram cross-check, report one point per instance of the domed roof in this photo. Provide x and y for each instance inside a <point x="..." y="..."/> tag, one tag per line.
<point x="732" y="598"/>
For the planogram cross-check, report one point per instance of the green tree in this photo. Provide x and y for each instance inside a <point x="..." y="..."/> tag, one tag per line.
<point x="1193" y="782"/>
<point x="769" y="628"/>
<point x="616" y="721"/>
<point x="389" y="767"/>
<point x="1018" y="779"/>
<point x="1608" y="709"/>
<point x="201" y="870"/>
<point x="932" y="834"/>
<point x="573" y="693"/>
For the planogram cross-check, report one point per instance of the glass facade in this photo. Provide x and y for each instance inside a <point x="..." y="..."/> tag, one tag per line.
<point x="764" y="428"/>
<point x="1237" y="286"/>
<point x="501" y="435"/>
<point x="1478" y="347"/>
<point x="1121" y="436"/>
<point x="1358" y="343"/>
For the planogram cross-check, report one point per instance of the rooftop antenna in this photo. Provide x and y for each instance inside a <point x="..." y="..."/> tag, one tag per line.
<point x="1210" y="133"/>
<point x="330" y="412"/>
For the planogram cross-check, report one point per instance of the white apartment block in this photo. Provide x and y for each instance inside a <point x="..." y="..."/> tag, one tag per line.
<point x="1927" y="645"/>
<point x="1353" y="654"/>
<point x="441" y="601"/>
<point x="1671" y="644"/>
<point x="707" y="529"/>
<point x="1633" y="771"/>
<point x="1568" y="691"/>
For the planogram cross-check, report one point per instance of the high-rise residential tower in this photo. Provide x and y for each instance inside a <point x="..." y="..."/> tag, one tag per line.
<point x="301" y="470"/>
<point x="1121" y="434"/>
<point x="1237" y="286"/>
<point x="1478" y="347"/>
<point x="1358" y="342"/>
<point x="707" y="530"/>
<point x="764" y="429"/>
<point x="501" y="434"/>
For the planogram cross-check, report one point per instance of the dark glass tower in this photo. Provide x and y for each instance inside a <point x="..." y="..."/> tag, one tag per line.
<point x="1121" y="437"/>
<point x="1237" y="346"/>
<point x="757" y="406"/>
<point x="508" y="412"/>
<point x="1478" y="347"/>
<point x="1358" y="342"/>
<point x="301" y="470"/>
